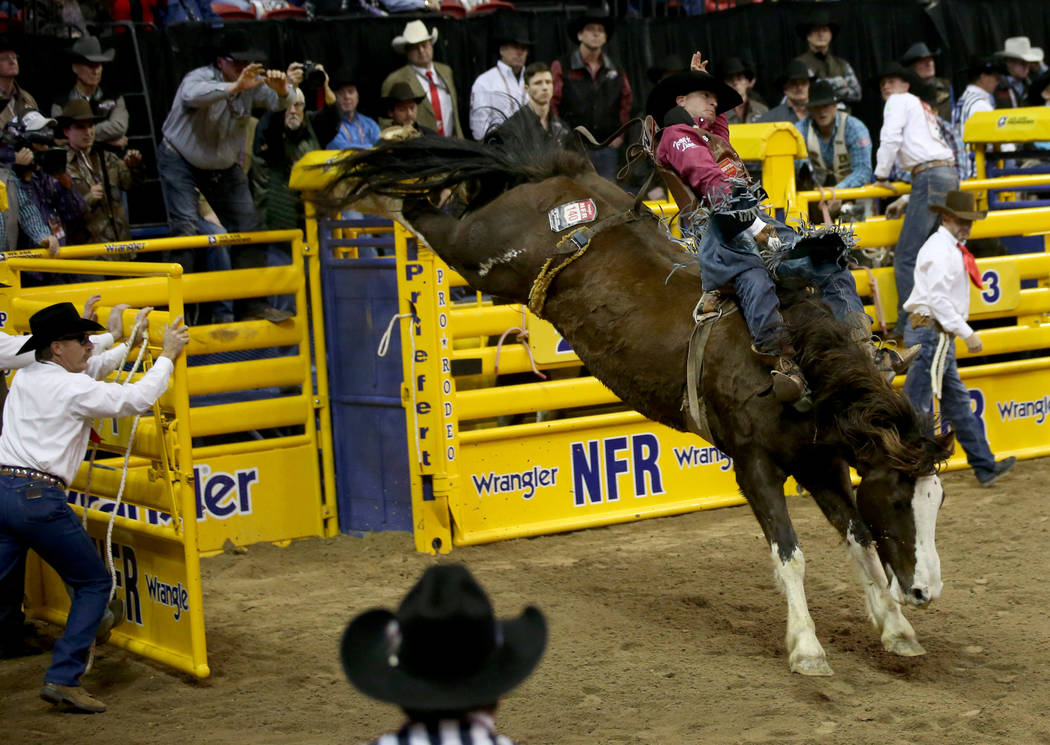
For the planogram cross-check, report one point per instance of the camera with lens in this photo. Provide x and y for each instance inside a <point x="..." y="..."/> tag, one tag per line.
<point x="15" y="137"/>
<point x="312" y="74"/>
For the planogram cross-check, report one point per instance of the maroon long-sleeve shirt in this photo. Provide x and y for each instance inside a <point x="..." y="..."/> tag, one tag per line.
<point x="682" y="148"/>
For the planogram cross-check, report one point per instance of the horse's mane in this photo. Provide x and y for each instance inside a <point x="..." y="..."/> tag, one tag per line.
<point x="423" y="166"/>
<point x="852" y="403"/>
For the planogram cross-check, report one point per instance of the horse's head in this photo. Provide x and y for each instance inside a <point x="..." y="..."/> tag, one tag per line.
<point x="899" y="505"/>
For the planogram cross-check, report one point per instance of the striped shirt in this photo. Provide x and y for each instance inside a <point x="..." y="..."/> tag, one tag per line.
<point x="972" y="100"/>
<point x="477" y="728"/>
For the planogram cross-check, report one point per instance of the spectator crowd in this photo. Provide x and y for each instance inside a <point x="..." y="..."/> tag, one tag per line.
<point x="237" y="124"/>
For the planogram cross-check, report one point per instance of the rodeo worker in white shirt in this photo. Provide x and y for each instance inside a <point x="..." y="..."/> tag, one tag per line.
<point x="47" y="423"/>
<point x="939" y="305"/>
<point x="499" y="92"/>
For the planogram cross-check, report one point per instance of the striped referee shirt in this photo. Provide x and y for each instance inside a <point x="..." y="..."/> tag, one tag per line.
<point x="477" y="728"/>
<point x="972" y="100"/>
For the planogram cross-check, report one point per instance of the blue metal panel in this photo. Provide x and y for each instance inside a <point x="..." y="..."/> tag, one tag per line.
<point x="368" y="422"/>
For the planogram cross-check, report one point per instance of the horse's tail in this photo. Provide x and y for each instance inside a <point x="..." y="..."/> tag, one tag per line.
<point x="425" y="165"/>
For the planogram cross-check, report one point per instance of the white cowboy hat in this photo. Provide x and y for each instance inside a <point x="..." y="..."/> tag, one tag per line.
<point x="1019" y="47"/>
<point x="415" y="33"/>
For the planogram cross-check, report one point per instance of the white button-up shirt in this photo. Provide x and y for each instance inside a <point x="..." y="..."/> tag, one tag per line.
<point x="910" y="136"/>
<point x="48" y="413"/>
<point x="942" y="285"/>
<point x="495" y="96"/>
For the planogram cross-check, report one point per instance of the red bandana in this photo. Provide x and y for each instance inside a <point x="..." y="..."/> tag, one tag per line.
<point x="971" y="266"/>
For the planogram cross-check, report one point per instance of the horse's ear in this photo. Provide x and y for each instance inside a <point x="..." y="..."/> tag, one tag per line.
<point x="946" y="444"/>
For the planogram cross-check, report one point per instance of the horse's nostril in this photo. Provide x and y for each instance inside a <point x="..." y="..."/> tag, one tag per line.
<point x="919" y="594"/>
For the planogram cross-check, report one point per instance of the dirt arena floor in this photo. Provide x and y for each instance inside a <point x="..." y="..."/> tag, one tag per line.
<point x="665" y="631"/>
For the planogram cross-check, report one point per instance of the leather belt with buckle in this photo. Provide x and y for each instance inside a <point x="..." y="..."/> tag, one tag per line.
<point x="35" y="475"/>
<point x="930" y="164"/>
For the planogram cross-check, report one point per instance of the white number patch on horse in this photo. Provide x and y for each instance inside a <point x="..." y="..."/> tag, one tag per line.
<point x="572" y="213"/>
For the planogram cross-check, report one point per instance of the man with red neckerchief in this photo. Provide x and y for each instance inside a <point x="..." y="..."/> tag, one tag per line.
<point x="939" y="304"/>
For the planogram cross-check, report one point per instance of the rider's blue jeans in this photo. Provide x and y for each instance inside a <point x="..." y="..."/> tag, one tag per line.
<point x="35" y="514"/>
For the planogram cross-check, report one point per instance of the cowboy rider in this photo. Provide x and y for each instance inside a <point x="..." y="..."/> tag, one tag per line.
<point x="695" y="145"/>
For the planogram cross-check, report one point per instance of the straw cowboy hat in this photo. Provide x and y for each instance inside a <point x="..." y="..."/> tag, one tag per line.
<point x="664" y="96"/>
<point x="443" y="650"/>
<point x="415" y="33"/>
<point x="960" y="204"/>
<point x="1019" y="47"/>
<point x="54" y="323"/>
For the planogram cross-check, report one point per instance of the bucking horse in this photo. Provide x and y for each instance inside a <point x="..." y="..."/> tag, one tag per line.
<point x="622" y="292"/>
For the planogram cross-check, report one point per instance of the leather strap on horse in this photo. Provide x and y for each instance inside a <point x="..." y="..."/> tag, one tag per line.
<point x="576" y="242"/>
<point x="635" y="152"/>
<point x="696" y="411"/>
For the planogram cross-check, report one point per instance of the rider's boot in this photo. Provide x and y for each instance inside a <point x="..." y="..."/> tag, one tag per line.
<point x="789" y="385"/>
<point x="886" y="359"/>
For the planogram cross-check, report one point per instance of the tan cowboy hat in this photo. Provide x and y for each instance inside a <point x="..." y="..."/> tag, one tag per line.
<point x="415" y="33"/>
<point x="1020" y="47"/>
<point x="960" y="204"/>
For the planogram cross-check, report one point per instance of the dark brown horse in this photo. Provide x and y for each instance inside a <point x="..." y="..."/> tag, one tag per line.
<point x="625" y="305"/>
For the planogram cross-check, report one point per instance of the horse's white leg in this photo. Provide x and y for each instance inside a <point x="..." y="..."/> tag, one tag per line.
<point x="805" y="655"/>
<point x="885" y="614"/>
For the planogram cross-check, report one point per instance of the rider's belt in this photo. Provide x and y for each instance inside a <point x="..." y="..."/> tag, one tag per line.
<point x="930" y="164"/>
<point x="921" y="320"/>
<point x="33" y="474"/>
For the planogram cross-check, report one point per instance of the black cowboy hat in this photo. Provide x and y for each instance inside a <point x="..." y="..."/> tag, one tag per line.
<point x="54" y="322"/>
<point x="796" y="70"/>
<point x="668" y="64"/>
<point x="977" y="64"/>
<point x="821" y="93"/>
<point x="341" y="77"/>
<point x="1035" y="90"/>
<point x="897" y="70"/>
<point x="960" y="204"/>
<point x="737" y="66"/>
<point x="399" y="92"/>
<point x="916" y="52"/>
<point x="237" y="45"/>
<point x="663" y="96"/>
<point x="576" y="25"/>
<point x="510" y="32"/>
<point x="821" y="18"/>
<point x="88" y="49"/>
<point x="444" y="649"/>
<point x="77" y="110"/>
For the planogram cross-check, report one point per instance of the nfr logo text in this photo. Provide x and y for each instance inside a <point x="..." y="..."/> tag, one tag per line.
<point x="601" y="469"/>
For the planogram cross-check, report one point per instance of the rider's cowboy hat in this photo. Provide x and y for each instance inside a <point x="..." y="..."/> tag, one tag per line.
<point x="77" y="110"/>
<point x="916" y="52"/>
<point x="820" y="18"/>
<point x="664" y="96"/>
<point x="415" y="33"/>
<point x="444" y="649"/>
<point x="821" y="93"/>
<point x="88" y="49"/>
<point x="1019" y="47"/>
<point x="960" y="204"/>
<point x="578" y="24"/>
<point x="55" y="322"/>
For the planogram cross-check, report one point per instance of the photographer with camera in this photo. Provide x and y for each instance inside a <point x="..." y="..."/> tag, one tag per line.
<point x="44" y="186"/>
<point x="13" y="103"/>
<point x="99" y="176"/>
<point x="87" y="59"/>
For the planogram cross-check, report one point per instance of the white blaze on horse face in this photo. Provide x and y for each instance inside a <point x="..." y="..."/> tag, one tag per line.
<point x="926" y="503"/>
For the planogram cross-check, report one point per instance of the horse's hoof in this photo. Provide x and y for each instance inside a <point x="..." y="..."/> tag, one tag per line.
<point x="812" y="666"/>
<point x="903" y="646"/>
